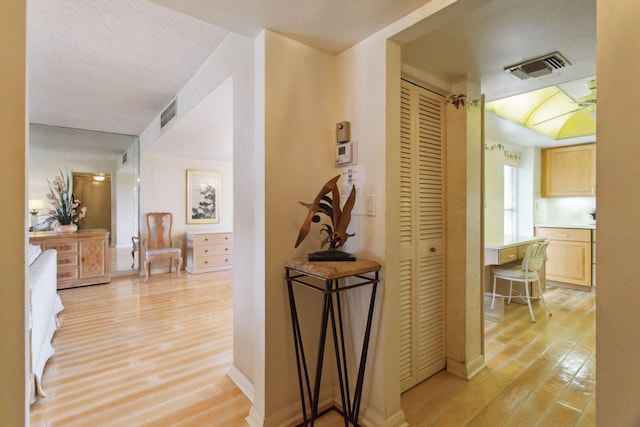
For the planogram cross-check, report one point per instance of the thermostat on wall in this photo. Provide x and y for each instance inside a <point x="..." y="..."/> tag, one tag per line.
<point x="345" y="153"/>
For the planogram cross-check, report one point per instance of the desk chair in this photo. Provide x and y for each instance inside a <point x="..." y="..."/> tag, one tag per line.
<point x="526" y="272"/>
<point x="159" y="243"/>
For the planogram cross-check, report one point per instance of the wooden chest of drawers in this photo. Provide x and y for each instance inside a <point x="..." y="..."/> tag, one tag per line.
<point x="83" y="256"/>
<point x="208" y="251"/>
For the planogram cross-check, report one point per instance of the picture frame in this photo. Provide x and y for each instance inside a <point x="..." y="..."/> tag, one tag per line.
<point x="203" y="196"/>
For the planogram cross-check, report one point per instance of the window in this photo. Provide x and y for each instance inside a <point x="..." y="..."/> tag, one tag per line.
<point x="510" y="200"/>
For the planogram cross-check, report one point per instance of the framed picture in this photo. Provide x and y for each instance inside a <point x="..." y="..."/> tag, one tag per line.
<point x="203" y="197"/>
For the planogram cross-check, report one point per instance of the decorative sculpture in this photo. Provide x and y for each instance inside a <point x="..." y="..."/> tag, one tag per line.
<point x="337" y="234"/>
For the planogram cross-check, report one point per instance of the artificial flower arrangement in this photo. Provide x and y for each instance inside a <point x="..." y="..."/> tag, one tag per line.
<point x="66" y="209"/>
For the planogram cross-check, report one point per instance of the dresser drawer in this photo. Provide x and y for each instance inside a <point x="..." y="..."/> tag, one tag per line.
<point x="68" y="274"/>
<point x="62" y="247"/>
<point x="213" y="261"/>
<point x="208" y="250"/>
<point x="212" y="239"/>
<point x="569" y="234"/>
<point x="508" y="255"/>
<point x="66" y="259"/>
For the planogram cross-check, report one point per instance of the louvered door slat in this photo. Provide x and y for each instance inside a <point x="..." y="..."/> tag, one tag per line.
<point x="422" y="339"/>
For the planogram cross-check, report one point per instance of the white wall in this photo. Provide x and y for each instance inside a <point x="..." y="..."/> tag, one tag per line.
<point x="617" y="178"/>
<point x="494" y="191"/>
<point x="299" y="119"/>
<point x="362" y="82"/>
<point x="163" y="182"/>
<point x="565" y="210"/>
<point x="235" y="58"/>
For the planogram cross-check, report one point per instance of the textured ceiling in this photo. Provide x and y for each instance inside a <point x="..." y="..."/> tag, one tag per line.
<point x="110" y="66"/>
<point x="328" y="25"/>
<point x="114" y="66"/>
<point x="499" y="33"/>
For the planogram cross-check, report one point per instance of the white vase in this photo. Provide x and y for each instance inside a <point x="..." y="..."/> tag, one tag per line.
<point x="67" y="228"/>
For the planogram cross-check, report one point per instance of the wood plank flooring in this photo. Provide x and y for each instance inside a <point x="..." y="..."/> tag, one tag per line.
<point x="538" y="374"/>
<point x="131" y="353"/>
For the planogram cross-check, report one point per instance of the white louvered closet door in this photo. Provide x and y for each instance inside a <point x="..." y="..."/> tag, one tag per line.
<point x="422" y="286"/>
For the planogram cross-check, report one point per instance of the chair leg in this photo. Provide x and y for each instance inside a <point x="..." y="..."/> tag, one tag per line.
<point x="542" y="298"/>
<point x="510" y="291"/>
<point x="179" y="266"/>
<point x="526" y="291"/>
<point x="493" y="294"/>
<point x="146" y="270"/>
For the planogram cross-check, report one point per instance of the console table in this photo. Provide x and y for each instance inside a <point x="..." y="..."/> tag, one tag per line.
<point x="330" y="278"/>
<point x="83" y="256"/>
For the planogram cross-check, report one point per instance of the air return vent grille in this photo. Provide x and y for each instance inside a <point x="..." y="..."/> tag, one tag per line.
<point x="537" y="67"/>
<point x="168" y="114"/>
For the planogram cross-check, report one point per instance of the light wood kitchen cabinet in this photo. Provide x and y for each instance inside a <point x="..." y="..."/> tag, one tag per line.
<point x="569" y="255"/>
<point x="569" y="171"/>
<point x="83" y="257"/>
<point x="208" y="251"/>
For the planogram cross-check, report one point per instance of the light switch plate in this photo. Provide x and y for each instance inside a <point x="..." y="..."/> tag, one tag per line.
<point x="371" y="205"/>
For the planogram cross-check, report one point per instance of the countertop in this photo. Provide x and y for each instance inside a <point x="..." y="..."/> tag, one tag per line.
<point x="583" y="226"/>
<point x="508" y="241"/>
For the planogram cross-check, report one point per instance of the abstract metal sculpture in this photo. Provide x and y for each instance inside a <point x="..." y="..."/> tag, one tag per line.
<point x="337" y="234"/>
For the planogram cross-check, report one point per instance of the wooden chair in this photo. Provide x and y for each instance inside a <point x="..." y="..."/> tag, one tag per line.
<point x="159" y="243"/>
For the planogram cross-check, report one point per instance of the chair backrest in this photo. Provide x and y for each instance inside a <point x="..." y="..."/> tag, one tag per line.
<point x="535" y="256"/>
<point x="159" y="226"/>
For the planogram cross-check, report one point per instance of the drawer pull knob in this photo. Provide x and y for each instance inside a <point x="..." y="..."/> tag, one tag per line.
<point x="433" y="249"/>
<point x="206" y="240"/>
<point x="206" y="250"/>
<point x="563" y="234"/>
<point x="206" y="262"/>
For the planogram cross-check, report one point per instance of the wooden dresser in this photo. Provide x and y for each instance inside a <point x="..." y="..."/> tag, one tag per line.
<point x="83" y="256"/>
<point x="207" y="251"/>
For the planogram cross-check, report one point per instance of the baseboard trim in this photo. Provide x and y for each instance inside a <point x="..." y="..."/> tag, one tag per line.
<point x="288" y="416"/>
<point x="466" y="370"/>
<point x="241" y="380"/>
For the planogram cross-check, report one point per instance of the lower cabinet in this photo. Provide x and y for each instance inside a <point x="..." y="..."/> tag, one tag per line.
<point x="208" y="251"/>
<point x="83" y="256"/>
<point x="569" y="255"/>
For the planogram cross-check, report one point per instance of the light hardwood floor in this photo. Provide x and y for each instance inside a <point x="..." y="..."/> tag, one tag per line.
<point x="538" y="374"/>
<point x="131" y="353"/>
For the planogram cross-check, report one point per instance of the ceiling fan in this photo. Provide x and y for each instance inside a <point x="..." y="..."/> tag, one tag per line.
<point x="587" y="103"/>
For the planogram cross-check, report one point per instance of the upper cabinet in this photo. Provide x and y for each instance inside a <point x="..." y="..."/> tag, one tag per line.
<point x="569" y="171"/>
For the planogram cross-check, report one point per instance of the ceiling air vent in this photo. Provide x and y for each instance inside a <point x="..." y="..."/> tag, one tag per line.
<point x="168" y="114"/>
<point x="537" y="67"/>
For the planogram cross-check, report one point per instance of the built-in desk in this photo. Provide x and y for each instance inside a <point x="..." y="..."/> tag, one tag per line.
<point x="505" y="250"/>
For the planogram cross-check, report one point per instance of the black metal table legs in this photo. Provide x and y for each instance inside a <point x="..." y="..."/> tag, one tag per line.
<point x="332" y="314"/>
